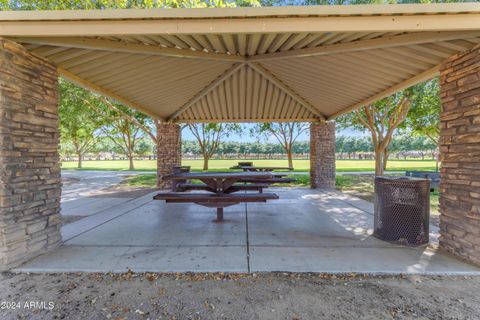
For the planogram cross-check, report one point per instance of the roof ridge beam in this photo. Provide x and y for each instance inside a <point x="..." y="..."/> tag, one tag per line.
<point x="271" y="77"/>
<point x="119" y="46"/>
<point x="425" y="75"/>
<point x="104" y="92"/>
<point x="378" y="43"/>
<point x="234" y="68"/>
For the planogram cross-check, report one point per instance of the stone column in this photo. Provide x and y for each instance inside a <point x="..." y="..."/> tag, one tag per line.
<point x="322" y="155"/>
<point x="169" y="150"/>
<point x="29" y="163"/>
<point x="460" y="155"/>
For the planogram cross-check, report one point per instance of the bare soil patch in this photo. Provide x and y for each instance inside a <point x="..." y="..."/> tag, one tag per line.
<point x="123" y="191"/>
<point x="67" y="181"/>
<point x="261" y="296"/>
<point x="70" y="219"/>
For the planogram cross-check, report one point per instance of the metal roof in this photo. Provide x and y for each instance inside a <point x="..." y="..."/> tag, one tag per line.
<point x="248" y="64"/>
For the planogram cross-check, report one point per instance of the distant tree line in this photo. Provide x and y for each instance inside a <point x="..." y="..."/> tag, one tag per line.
<point x="190" y="147"/>
<point x="347" y="147"/>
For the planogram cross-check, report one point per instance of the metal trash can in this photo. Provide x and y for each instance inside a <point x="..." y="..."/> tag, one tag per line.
<point x="402" y="210"/>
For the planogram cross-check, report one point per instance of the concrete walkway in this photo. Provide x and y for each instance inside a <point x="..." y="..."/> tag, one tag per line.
<point x="84" y="192"/>
<point x="305" y="230"/>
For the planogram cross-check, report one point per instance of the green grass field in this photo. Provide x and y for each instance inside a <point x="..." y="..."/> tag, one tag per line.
<point x="216" y="165"/>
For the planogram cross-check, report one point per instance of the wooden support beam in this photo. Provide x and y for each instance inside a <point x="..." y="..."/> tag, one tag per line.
<point x="104" y="92"/>
<point x="206" y="90"/>
<point x="205" y="23"/>
<point x="426" y="75"/>
<point x="241" y="12"/>
<point x="271" y="77"/>
<point x="379" y="43"/>
<point x="124" y="47"/>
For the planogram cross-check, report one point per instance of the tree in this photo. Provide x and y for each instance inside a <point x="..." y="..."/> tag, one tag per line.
<point x="124" y="132"/>
<point x="209" y="135"/>
<point x="286" y="133"/>
<point x="124" y="126"/>
<point x="79" y="127"/>
<point x="381" y="119"/>
<point x="110" y="4"/>
<point x="424" y="116"/>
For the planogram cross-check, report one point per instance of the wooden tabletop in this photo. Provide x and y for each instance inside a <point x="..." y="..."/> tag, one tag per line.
<point x="261" y="168"/>
<point x="219" y="175"/>
<point x="266" y="168"/>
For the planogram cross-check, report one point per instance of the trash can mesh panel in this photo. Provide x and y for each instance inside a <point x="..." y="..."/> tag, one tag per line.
<point x="402" y="210"/>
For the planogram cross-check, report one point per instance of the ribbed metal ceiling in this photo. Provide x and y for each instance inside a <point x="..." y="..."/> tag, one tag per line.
<point x="249" y="76"/>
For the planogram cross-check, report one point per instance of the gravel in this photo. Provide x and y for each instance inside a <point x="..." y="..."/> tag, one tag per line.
<point x="237" y="296"/>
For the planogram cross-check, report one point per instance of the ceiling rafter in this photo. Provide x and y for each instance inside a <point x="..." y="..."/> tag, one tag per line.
<point x="206" y="90"/>
<point x="425" y="75"/>
<point x="119" y="46"/>
<point x="271" y="77"/>
<point x="378" y="43"/>
<point x="104" y="92"/>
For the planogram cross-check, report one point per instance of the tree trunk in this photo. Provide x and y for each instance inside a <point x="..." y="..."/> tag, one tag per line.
<point x="385" y="159"/>
<point x="290" y="158"/>
<point x="379" y="162"/>
<point x="205" y="163"/>
<point x="79" y="165"/>
<point x="130" y="159"/>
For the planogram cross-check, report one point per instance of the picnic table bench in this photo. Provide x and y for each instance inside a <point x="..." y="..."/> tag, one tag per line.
<point x="278" y="177"/>
<point x="260" y="169"/>
<point x="268" y="181"/>
<point x="182" y="187"/>
<point x="434" y="177"/>
<point x="221" y="187"/>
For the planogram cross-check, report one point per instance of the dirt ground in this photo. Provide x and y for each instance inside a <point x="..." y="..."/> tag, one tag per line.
<point x="218" y="296"/>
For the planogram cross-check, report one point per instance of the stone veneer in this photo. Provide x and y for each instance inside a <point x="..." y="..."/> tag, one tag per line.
<point x="30" y="183"/>
<point x="169" y="150"/>
<point x="322" y="155"/>
<point x="460" y="155"/>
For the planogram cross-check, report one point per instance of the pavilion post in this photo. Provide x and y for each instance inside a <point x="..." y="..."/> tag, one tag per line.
<point x="460" y="155"/>
<point x="322" y="154"/>
<point x="169" y="150"/>
<point x="30" y="183"/>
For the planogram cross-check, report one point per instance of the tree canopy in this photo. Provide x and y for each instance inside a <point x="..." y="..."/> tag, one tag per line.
<point x="119" y="4"/>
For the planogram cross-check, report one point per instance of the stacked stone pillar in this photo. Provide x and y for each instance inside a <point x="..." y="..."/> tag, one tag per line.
<point x="169" y="151"/>
<point x="322" y="155"/>
<point x="29" y="163"/>
<point x="460" y="155"/>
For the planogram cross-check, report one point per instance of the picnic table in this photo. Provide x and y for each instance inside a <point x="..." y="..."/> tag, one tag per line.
<point x="260" y="169"/>
<point x="277" y="177"/>
<point x="221" y="187"/>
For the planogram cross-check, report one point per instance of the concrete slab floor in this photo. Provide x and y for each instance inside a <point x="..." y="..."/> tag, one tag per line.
<point x="304" y="231"/>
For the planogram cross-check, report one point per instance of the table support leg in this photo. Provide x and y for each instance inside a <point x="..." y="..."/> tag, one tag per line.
<point x="219" y="215"/>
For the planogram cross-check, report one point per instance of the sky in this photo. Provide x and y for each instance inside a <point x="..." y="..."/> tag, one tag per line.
<point x="245" y="137"/>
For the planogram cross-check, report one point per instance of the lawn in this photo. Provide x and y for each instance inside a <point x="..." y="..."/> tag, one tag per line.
<point x="216" y="165"/>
